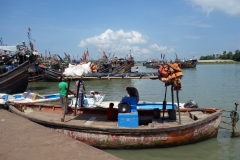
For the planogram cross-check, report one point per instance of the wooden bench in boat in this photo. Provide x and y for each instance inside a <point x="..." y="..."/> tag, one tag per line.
<point x="197" y="115"/>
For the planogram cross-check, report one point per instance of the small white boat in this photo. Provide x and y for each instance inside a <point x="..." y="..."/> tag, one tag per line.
<point x="88" y="101"/>
<point x="29" y="97"/>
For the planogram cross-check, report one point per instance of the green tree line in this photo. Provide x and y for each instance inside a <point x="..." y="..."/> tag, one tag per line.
<point x="223" y="56"/>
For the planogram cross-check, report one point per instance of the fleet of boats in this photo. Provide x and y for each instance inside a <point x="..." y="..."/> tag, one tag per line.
<point x="138" y="124"/>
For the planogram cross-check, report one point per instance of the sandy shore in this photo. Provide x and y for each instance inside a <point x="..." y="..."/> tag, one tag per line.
<point x="217" y="61"/>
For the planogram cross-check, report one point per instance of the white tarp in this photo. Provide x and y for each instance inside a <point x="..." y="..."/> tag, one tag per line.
<point x="8" y="48"/>
<point x="77" y="70"/>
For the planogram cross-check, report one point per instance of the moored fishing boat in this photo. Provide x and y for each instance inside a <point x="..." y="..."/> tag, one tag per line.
<point x="92" y="127"/>
<point x="35" y="72"/>
<point x="14" y="67"/>
<point x="186" y="63"/>
<point x="52" y="75"/>
<point x="114" y="65"/>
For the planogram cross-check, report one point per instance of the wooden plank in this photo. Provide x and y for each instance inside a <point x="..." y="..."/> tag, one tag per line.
<point x="196" y="115"/>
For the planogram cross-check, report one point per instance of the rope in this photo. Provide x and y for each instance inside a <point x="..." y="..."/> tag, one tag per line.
<point x="232" y="116"/>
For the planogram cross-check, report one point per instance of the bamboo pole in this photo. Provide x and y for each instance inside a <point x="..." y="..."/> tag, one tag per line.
<point x="75" y="109"/>
<point x="164" y="103"/>
<point x="179" y="116"/>
<point x="234" y="121"/>
<point x="172" y="96"/>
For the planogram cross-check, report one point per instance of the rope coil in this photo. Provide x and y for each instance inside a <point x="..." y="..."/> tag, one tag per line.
<point x="232" y="115"/>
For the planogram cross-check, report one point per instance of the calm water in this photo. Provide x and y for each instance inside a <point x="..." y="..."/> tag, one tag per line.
<point x="209" y="85"/>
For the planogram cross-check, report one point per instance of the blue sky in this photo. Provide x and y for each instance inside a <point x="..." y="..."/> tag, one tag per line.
<point x="149" y="28"/>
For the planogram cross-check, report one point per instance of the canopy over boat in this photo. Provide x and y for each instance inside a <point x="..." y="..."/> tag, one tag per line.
<point x="9" y="48"/>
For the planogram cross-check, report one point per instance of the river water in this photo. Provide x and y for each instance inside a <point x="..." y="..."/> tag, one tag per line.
<point x="210" y="85"/>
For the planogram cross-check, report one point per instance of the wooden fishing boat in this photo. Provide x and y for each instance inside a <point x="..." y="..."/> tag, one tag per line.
<point x="15" y="80"/>
<point x="53" y="67"/>
<point x="186" y="63"/>
<point x="91" y="126"/>
<point x="14" y="66"/>
<point x="52" y="75"/>
<point x="191" y="63"/>
<point x="125" y="67"/>
<point x="115" y="65"/>
<point x="35" y="72"/>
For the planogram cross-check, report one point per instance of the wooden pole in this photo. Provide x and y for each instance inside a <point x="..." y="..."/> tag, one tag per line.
<point x="164" y="103"/>
<point x="234" y="120"/>
<point x="179" y="116"/>
<point x="66" y="101"/>
<point x="75" y="109"/>
<point x="172" y="96"/>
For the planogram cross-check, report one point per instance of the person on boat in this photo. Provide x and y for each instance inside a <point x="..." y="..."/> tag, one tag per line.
<point x="112" y="113"/>
<point x="92" y="94"/>
<point x="63" y="87"/>
<point x="81" y="92"/>
<point x="133" y="92"/>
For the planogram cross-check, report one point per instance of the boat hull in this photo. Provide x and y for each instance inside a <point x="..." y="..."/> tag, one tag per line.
<point x="114" y="137"/>
<point x="15" y="81"/>
<point x="159" y="138"/>
<point x="52" y="75"/>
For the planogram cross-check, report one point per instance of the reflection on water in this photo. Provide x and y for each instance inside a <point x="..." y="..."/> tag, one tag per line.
<point x="209" y="85"/>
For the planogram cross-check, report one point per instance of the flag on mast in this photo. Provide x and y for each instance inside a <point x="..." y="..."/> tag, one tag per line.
<point x="87" y="54"/>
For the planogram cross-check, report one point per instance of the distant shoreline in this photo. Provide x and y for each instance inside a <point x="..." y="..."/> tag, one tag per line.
<point x="204" y="62"/>
<point x="216" y="61"/>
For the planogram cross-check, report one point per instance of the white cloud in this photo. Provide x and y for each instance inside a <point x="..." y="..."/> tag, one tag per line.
<point x="161" y="48"/>
<point x="121" y="42"/>
<point x="231" y="7"/>
<point x="110" y="37"/>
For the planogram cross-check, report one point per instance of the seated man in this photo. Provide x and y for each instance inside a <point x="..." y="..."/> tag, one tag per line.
<point x="133" y="92"/>
<point x="112" y="112"/>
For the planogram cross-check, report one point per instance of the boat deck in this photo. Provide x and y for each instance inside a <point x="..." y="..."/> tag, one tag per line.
<point x="100" y="120"/>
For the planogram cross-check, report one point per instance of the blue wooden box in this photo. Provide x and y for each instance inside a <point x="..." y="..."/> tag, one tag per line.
<point x="132" y="101"/>
<point x="128" y="120"/>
